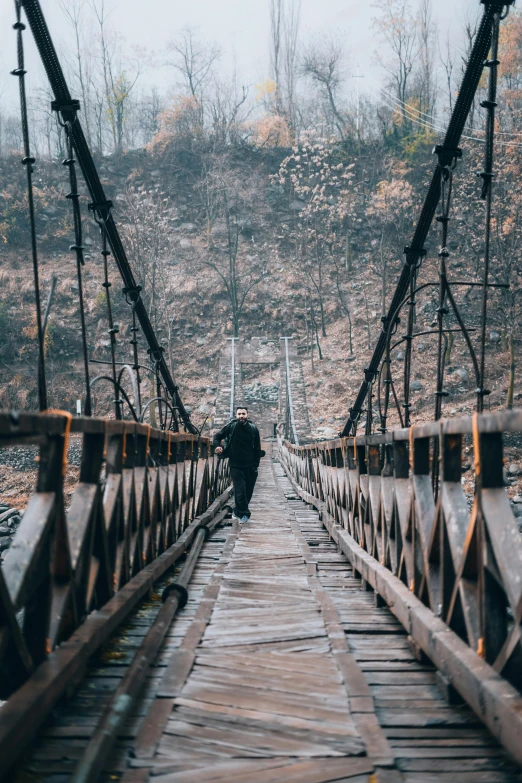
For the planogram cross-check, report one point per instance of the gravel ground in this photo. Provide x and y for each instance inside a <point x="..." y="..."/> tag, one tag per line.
<point x="18" y="473"/>
<point x="24" y="457"/>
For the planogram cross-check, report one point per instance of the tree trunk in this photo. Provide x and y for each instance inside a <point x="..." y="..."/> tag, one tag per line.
<point x="318" y="344"/>
<point x="511" y="383"/>
<point x="349" y="258"/>
<point x="384" y="264"/>
<point x="367" y="320"/>
<point x="451" y="340"/>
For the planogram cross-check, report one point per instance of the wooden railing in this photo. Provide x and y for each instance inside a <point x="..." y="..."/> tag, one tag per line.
<point x="448" y="563"/>
<point x="138" y="491"/>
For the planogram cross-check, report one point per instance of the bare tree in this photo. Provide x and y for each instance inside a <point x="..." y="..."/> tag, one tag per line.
<point x="397" y="28"/>
<point x="227" y="109"/>
<point x="285" y="16"/>
<point x="343" y="301"/>
<point x="231" y="201"/>
<point x="447" y="59"/>
<point x="323" y="63"/>
<point x="427" y="36"/>
<point x="150" y="108"/>
<point x="74" y="12"/>
<point x="194" y="60"/>
<point x="146" y="229"/>
<point x="470" y="29"/>
<point x="290" y="59"/>
<point x="276" y="43"/>
<point x="119" y="77"/>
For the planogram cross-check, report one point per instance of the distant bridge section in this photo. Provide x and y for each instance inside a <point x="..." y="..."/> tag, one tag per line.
<point x="268" y="377"/>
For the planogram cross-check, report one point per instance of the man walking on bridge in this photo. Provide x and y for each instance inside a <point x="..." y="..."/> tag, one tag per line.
<point x="243" y="449"/>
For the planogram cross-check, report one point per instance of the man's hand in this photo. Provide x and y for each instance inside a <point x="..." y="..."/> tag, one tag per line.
<point x="219" y="450"/>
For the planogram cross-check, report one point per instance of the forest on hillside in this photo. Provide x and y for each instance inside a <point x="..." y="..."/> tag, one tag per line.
<point x="276" y="208"/>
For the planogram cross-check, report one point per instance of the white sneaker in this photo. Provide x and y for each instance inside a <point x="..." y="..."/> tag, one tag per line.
<point x="244" y="519"/>
<point x="235" y="516"/>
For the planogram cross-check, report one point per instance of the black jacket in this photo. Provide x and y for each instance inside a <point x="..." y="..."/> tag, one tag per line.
<point x="244" y="444"/>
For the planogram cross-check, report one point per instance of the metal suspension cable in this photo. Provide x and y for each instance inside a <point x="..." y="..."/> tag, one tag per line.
<point x="28" y="161"/>
<point x="442" y="310"/>
<point x="409" y="344"/>
<point x="233" y="378"/>
<point x="396" y="104"/>
<point x="446" y="154"/>
<point x="131" y="299"/>
<point x="112" y="329"/>
<point x="100" y="203"/>
<point x="74" y="198"/>
<point x="487" y="194"/>
<point x="289" y="402"/>
<point x="435" y="123"/>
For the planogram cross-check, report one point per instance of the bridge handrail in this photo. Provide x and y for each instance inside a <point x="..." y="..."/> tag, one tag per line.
<point x="448" y="563"/>
<point x="138" y="490"/>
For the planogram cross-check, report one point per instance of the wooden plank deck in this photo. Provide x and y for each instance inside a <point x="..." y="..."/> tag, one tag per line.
<point x="281" y="668"/>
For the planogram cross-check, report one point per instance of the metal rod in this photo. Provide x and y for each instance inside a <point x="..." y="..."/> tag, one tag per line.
<point x="233" y="381"/>
<point x="28" y="161"/>
<point x="289" y="394"/>
<point x="49" y="303"/>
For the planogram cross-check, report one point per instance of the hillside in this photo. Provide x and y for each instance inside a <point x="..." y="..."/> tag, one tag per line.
<point x="179" y="222"/>
<point x="165" y="225"/>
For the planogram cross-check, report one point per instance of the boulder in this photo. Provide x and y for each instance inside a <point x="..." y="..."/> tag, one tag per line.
<point x="328" y="432"/>
<point x="8" y="514"/>
<point x="415" y="386"/>
<point x="463" y="374"/>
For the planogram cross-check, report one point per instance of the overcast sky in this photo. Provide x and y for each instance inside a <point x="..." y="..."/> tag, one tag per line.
<point x="239" y="27"/>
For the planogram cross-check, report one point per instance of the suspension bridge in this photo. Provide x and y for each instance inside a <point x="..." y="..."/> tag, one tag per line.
<point x="364" y="626"/>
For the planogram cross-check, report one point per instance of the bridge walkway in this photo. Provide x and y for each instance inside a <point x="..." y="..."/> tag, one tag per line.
<point x="280" y="669"/>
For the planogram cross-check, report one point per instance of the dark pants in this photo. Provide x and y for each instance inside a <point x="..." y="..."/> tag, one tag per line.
<point x="244" y="481"/>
